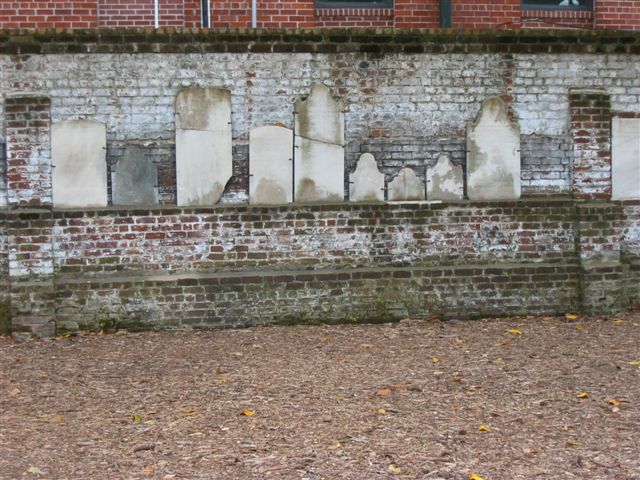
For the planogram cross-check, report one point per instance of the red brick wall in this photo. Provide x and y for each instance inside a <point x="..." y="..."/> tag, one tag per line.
<point x="48" y="13"/>
<point x="618" y="14"/>
<point x="486" y="14"/>
<point x="140" y="13"/>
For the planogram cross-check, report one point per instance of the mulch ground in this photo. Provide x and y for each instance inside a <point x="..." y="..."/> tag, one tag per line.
<point x="518" y="398"/>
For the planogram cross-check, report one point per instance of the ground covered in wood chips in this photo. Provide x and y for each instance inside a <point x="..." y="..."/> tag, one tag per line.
<point x="519" y="398"/>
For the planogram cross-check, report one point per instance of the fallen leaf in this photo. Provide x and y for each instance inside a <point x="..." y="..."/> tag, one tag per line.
<point x="340" y="399"/>
<point x="148" y="470"/>
<point x="14" y="391"/>
<point x="222" y="381"/>
<point x="571" y="443"/>
<point x="503" y="344"/>
<point x="35" y="471"/>
<point x="482" y="428"/>
<point x="634" y="363"/>
<point x="366" y="345"/>
<point x="382" y="411"/>
<point x="617" y="320"/>
<point x="435" y="359"/>
<point x="514" y="331"/>
<point x="137" y="418"/>
<point x="335" y="445"/>
<point x="475" y="476"/>
<point x="613" y="402"/>
<point x="394" y="469"/>
<point x="583" y="395"/>
<point x="579" y="328"/>
<point x="571" y="316"/>
<point x="237" y="354"/>
<point x="248" y="413"/>
<point x="383" y="393"/>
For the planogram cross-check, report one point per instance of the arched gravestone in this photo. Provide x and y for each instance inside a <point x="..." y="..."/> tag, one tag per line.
<point x="625" y="158"/>
<point x="406" y="186"/>
<point x="493" y="154"/>
<point x="445" y="180"/>
<point x="270" y="165"/>
<point x="134" y="178"/>
<point x="204" y="162"/>
<point x="319" y="148"/>
<point x="366" y="184"/>
<point x="78" y="156"/>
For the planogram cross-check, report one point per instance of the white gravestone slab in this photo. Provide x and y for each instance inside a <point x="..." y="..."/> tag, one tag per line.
<point x="445" y="180"/>
<point x="204" y="162"/>
<point x="78" y="153"/>
<point x="319" y="148"/>
<point x="493" y="154"/>
<point x="406" y="186"/>
<point x="319" y="117"/>
<point x="319" y="171"/>
<point x="134" y="178"/>
<point x="625" y="158"/>
<point x="366" y="184"/>
<point x="270" y="165"/>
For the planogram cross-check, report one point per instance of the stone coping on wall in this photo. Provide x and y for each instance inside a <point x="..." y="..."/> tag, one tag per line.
<point x="374" y="41"/>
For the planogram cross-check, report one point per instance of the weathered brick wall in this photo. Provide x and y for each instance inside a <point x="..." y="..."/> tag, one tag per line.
<point x="631" y="248"/>
<point x="405" y="107"/>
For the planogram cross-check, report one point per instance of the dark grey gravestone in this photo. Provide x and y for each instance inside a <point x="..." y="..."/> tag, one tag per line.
<point x="134" y="178"/>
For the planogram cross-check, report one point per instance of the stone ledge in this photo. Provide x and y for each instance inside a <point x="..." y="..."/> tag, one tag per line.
<point x="374" y="41"/>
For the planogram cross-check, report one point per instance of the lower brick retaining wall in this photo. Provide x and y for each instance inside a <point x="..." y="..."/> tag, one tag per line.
<point x="244" y="265"/>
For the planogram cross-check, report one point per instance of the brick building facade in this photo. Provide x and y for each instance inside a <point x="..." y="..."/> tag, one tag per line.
<point x="587" y="14"/>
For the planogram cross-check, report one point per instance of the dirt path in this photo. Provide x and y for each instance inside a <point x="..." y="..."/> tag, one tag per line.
<point x="549" y="398"/>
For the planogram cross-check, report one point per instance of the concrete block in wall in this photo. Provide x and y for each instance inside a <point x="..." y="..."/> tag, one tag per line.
<point x="78" y="152"/>
<point x="625" y="158"/>
<point x="493" y="154"/>
<point x="204" y="161"/>
<point x="270" y="165"/>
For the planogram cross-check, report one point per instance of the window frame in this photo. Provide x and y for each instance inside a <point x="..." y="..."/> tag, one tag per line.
<point x="368" y="4"/>
<point x="588" y="7"/>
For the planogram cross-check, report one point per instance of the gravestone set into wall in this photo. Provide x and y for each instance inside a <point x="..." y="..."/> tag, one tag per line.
<point x="625" y="158"/>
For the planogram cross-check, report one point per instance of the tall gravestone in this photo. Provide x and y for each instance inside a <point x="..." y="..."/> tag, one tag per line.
<point x="445" y="180"/>
<point x="134" y="178"/>
<point x="319" y="147"/>
<point x="270" y="165"/>
<point x="78" y="156"/>
<point x="405" y="187"/>
<point x="625" y="158"/>
<point x="366" y="184"/>
<point x="204" y="162"/>
<point x="493" y="154"/>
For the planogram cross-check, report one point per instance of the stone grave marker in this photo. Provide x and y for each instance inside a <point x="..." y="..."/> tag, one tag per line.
<point x="366" y="183"/>
<point x="204" y="162"/>
<point x="319" y="148"/>
<point x="406" y="186"/>
<point x="78" y="156"/>
<point x="625" y="158"/>
<point x="493" y="154"/>
<point x="270" y="165"/>
<point x="445" y="180"/>
<point x="134" y="178"/>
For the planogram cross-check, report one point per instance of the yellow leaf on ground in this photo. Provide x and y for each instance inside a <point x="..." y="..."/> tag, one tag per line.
<point x="137" y="418"/>
<point x="248" y="413"/>
<point x="572" y="443"/>
<point x="366" y="345"/>
<point x="482" y="428"/>
<point x="335" y="445"/>
<point x="579" y="328"/>
<point x="617" y="320"/>
<point x="383" y="393"/>
<point x="394" y="468"/>
<point x="583" y="395"/>
<point x="14" y="391"/>
<point x="514" y="331"/>
<point x="475" y="476"/>
<point x="382" y="411"/>
<point x="187" y="411"/>
<point x="571" y="316"/>
<point x="634" y="363"/>
<point x="435" y="359"/>
<point x="148" y="470"/>
<point x="222" y="381"/>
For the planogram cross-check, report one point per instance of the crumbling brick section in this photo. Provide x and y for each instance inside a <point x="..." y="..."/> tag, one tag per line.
<point x="590" y="112"/>
<point x="28" y="133"/>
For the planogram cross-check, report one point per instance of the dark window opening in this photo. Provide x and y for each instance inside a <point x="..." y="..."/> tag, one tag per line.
<point x="558" y="4"/>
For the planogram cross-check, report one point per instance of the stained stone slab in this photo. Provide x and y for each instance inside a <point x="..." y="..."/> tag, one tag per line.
<point x="319" y="171"/>
<point x="366" y="184"/>
<point x="319" y="117"/>
<point x="625" y="158"/>
<point x="134" y="178"/>
<point x="78" y="155"/>
<point x="406" y="186"/>
<point x="445" y="180"/>
<point x="204" y="162"/>
<point x="493" y="154"/>
<point x="270" y="165"/>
